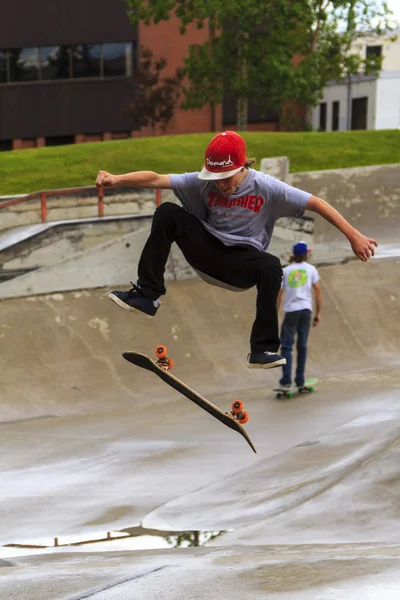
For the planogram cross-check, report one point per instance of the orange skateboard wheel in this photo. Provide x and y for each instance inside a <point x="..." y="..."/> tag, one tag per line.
<point x="237" y="406"/>
<point x="170" y="364"/>
<point x="244" y="419"/>
<point x="161" y="351"/>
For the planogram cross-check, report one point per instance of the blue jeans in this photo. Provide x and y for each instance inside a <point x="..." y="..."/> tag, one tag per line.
<point x="296" y="322"/>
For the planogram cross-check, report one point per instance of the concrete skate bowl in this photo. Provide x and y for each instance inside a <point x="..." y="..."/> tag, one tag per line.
<point x="30" y="247"/>
<point x="62" y="352"/>
<point x="89" y="443"/>
<point x="368" y="197"/>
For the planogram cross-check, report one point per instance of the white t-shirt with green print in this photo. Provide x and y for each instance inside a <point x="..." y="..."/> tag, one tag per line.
<point x="297" y="281"/>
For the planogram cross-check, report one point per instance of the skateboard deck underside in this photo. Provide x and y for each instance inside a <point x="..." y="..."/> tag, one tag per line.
<point x="143" y="361"/>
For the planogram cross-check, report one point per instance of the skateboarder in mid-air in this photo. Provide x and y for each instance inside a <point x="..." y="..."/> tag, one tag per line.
<point x="299" y="281"/>
<point x="223" y="229"/>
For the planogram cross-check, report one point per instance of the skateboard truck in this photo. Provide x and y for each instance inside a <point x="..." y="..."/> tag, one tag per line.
<point x="167" y="363"/>
<point x="238" y="413"/>
<point x="162" y="359"/>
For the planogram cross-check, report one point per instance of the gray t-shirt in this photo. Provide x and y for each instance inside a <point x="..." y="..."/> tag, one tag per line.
<point x="246" y="217"/>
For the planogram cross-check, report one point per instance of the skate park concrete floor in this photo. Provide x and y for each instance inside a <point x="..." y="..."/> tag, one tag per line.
<point x="91" y="444"/>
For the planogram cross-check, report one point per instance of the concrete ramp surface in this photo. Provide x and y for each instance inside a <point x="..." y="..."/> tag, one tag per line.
<point x="92" y="445"/>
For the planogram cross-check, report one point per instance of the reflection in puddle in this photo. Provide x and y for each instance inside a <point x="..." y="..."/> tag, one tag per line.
<point x="134" y="538"/>
<point x="193" y="538"/>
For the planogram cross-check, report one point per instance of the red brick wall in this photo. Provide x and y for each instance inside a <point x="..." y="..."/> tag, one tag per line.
<point x="23" y="144"/>
<point x="165" y="40"/>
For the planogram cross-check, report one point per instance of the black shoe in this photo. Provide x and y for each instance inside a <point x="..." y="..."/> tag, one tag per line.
<point x="265" y="360"/>
<point x="135" y="301"/>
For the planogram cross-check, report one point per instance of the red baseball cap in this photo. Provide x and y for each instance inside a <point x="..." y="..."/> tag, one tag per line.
<point x="225" y="156"/>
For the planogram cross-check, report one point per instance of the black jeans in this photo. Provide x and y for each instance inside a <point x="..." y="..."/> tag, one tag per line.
<point x="241" y="267"/>
<point x="295" y="322"/>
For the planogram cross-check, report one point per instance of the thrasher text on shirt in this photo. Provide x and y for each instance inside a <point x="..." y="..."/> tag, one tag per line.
<point x="254" y="203"/>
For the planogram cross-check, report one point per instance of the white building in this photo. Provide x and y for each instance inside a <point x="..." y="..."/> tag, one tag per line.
<point x="374" y="102"/>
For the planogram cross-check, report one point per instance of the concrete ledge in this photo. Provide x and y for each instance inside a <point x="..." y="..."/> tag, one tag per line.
<point x="277" y="167"/>
<point x="113" y="263"/>
<point x="368" y="197"/>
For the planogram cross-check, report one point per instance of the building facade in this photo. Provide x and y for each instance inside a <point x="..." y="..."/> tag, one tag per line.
<point x="365" y="101"/>
<point x="67" y="70"/>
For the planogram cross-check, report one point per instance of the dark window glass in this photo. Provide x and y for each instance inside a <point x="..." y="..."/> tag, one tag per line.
<point x="117" y="59"/>
<point x="3" y="66"/>
<point x="86" y="60"/>
<point x="24" y="64"/>
<point x="256" y="112"/>
<point x="373" y="51"/>
<point x="322" y="116"/>
<point x="373" y="61"/>
<point x="5" y="145"/>
<point x="359" y="112"/>
<point x="60" y="140"/>
<point x="54" y="62"/>
<point x="335" y="115"/>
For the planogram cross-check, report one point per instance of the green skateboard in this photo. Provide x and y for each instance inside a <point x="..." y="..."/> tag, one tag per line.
<point x="309" y="386"/>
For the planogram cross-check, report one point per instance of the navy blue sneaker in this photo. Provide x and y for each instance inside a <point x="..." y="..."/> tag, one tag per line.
<point x="135" y="301"/>
<point x="265" y="360"/>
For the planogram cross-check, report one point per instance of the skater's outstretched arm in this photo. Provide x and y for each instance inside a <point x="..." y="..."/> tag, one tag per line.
<point x="318" y="301"/>
<point x="139" y="179"/>
<point x="362" y="246"/>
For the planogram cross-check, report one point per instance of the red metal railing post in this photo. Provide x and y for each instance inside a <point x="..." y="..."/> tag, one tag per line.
<point x="158" y="197"/>
<point x="43" y="195"/>
<point x="100" y="204"/>
<point x="43" y="207"/>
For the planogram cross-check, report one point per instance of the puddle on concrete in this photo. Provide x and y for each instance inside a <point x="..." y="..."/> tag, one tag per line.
<point x="134" y="538"/>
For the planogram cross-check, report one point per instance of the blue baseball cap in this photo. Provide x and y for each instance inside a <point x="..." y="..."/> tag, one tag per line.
<point x="300" y="249"/>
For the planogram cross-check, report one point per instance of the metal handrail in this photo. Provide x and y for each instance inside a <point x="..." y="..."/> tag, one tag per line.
<point x="44" y="194"/>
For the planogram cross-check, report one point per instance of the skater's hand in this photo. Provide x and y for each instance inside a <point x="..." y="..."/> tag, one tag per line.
<point x="315" y="321"/>
<point x="105" y="179"/>
<point x="363" y="247"/>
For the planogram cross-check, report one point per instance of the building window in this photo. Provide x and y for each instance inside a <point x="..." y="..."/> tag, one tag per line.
<point x="54" y="62"/>
<point x="66" y="62"/>
<point x="256" y="112"/>
<point x="23" y="64"/>
<point x="359" y="112"/>
<point x="6" y="145"/>
<point x="374" y="51"/>
<point x="117" y="60"/>
<point x="86" y="59"/>
<point x="60" y="140"/>
<point x="373" y="60"/>
<point x="322" y="116"/>
<point x="3" y="66"/>
<point x="335" y="115"/>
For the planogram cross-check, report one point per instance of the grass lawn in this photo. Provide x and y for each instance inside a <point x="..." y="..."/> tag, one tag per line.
<point x="25" y="171"/>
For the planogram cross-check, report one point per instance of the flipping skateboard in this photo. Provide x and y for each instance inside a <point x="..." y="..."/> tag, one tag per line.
<point x="161" y="367"/>
<point x="309" y="386"/>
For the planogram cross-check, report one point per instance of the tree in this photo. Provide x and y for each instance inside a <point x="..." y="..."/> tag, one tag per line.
<point x="245" y="55"/>
<point x="334" y="40"/>
<point x="156" y="97"/>
<point x="274" y="52"/>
